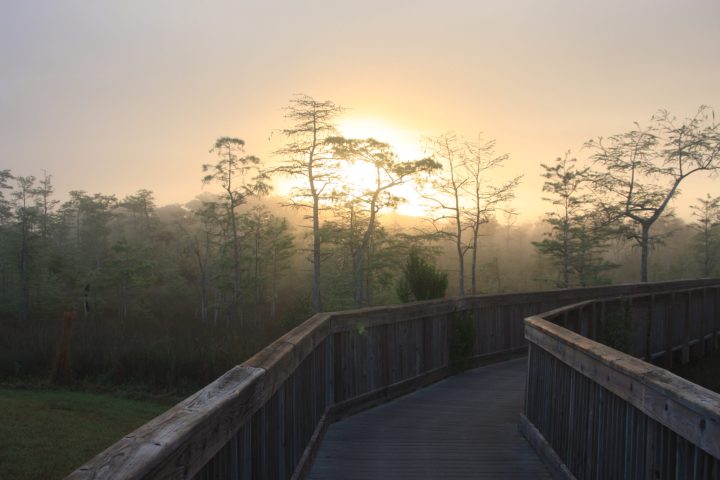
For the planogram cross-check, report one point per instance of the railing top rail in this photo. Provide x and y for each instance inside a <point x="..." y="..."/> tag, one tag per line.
<point x="178" y="443"/>
<point x="686" y="408"/>
<point x="664" y="291"/>
<point x="180" y="439"/>
<point x="350" y="319"/>
<point x="172" y="444"/>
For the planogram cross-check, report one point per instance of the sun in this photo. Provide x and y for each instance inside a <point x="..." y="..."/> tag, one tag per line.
<point x="406" y="144"/>
<point x="359" y="177"/>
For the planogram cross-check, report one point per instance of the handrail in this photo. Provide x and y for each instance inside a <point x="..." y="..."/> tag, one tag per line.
<point x="593" y="411"/>
<point x="264" y="418"/>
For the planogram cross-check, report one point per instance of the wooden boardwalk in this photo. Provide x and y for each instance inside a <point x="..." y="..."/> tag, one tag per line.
<point x="462" y="427"/>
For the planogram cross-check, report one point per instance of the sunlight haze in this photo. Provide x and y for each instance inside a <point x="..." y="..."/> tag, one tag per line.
<point x="300" y="210"/>
<point x="112" y="97"/>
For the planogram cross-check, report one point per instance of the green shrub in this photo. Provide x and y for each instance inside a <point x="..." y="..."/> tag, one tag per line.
<point x="461" y="339"/>
<point x="420" y="280"/>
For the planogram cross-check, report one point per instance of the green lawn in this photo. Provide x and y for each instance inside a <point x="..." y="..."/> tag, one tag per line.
<point x="46" y="434"/>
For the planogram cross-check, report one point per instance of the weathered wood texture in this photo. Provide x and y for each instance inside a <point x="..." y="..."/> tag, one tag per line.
<point x="665" y="327"/>
<point x="263" y="419"/>
<point x="461" y="427"/>
<point x="607" y="414"/>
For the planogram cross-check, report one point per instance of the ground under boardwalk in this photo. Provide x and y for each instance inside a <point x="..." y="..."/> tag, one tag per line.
<point x="462" y="427"/>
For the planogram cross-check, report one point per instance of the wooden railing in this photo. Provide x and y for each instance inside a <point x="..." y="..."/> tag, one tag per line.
<point x="264" y="419"/>
<point x="593" y="411"/>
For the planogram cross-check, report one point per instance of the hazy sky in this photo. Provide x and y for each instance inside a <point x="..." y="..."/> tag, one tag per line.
<point x="113" y="96"/>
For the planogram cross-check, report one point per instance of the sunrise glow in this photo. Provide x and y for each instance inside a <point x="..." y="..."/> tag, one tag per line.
<point x="406" y="144"/>
<point x="183" y="183"/>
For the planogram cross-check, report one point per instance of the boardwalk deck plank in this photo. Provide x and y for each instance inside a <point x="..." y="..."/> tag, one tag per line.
<point x="462" y="427"/>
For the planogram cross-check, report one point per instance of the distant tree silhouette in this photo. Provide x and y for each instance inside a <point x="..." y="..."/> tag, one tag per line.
<point x="307" y="156"/>
<point x="463" y="198"/>
<point x="577" y="237"/>
<point x="269" y="246"/>
<point x="240" y="177"/>
<point x="640" y="171"/>
<point x="707" y="224"/>
<point x="389" y="172"/>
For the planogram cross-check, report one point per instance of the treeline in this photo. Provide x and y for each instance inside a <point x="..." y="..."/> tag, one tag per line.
<point x="148" y="290"/>
<point x="118" y="290"/>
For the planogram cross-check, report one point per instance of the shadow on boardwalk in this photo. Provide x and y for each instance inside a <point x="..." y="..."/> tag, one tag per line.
<point x="462" y="427"/>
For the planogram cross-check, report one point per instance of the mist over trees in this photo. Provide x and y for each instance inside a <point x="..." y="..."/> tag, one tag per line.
<point x="706" y="213"/>
<point x="231" y="172"/>
<point x="462" y="199"/>
<point x="308" y="156"/>
<point x="365" y="204"/>
<point x="169" y="297"/>
<point x="578" y="236"/>
<point x="640" y="171"/>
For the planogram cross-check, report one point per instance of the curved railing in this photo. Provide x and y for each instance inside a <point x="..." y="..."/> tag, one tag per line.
<point x="593" y="411"/>
<point x="265" y="418"/>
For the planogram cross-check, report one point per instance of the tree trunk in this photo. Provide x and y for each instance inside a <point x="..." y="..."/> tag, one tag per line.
<point x="474" y="261"/>
<point x="24" y="283"/>
<point x="316" y="305"/>
<point x="645" y="248"/>
<point x="362" y="252"/>
<point x="566" y="255"/>
<point x="258" y="289"/>
<point x="273" y="303"/>
<point x="203" y="280"/>
<point x="368" y="276"/>
<point x="23" y="262"/>
<point x="236" y="262"/>
<point x="706" y="262"/>
<point x="359" y="276"/>
<point x="461" y="257"/>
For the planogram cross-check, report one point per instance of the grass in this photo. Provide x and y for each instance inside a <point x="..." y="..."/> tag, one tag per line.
<point x="46" y="434"/>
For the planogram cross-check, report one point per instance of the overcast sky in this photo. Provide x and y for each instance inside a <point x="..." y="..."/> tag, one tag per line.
<point x="114" y="96"/>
